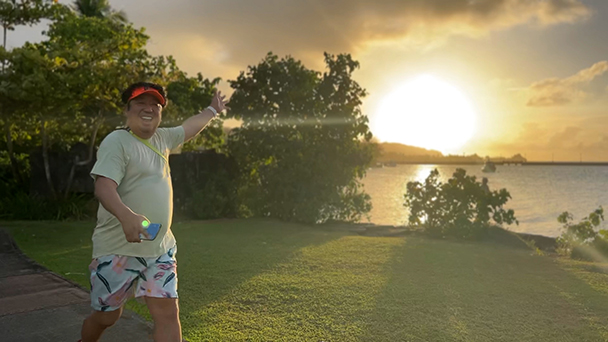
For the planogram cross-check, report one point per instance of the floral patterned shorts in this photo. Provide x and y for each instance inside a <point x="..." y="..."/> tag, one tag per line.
<point x="116" y="278"/>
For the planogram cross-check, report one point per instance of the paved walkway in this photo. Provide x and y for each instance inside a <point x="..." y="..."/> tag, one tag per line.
<point x="37" y="305"/>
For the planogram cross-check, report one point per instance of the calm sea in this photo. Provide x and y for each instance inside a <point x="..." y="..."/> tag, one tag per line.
<point x="539" y="193"/>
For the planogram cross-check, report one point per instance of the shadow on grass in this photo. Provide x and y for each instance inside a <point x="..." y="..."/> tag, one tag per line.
<point x="451" y="291"/>
<point x="216" y="257"/>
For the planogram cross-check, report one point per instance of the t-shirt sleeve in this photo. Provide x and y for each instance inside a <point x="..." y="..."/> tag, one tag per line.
<point x="111" y="159"/>
<point x="173" y="137"/>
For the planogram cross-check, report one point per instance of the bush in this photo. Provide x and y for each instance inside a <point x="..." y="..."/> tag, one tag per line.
<point x="17" y="204"/>
<point x="461" y="208"/>
<point x="216" y="199"/>
<point x="21" y="206"/>
<point x="8" y="184"/>
<point x="583" y="240"/>
<point x="205" y="185"/>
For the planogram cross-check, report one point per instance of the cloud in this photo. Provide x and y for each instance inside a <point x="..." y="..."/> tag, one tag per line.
<point x="540" y="141"/>
<point x="565" y="138"/>
<point x="555" y="91"/>
<point x="246" y="29"/>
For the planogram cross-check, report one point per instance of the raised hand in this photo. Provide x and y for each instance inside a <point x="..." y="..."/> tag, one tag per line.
<point x="218" y="102"/>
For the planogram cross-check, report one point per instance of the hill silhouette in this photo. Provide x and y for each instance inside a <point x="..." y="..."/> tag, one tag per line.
<point x="394" y="153"/>
<point x="406" y="150"/>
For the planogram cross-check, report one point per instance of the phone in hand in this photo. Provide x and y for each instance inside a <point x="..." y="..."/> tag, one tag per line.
<point x="152" y="230"/>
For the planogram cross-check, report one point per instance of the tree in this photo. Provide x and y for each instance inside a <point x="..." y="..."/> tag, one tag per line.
<point x="69" y="86"/>
<point x="24" y="12"/>
<point x="106" y="57"/>
<point x="71" y="83"/>
<point x="14" y="13"/>
<point x="99" y="9"/>
<point x="301" y="144"/>
<point x="34" y="83"/>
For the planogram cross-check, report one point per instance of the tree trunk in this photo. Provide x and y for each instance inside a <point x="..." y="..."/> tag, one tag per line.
<point x="11" y="153"/>
<point x="8" y="131"/>
<point x="45" y="157"/>
<point x="77" y="162"/>
<point x="4" y="45"/>
<point x="71" y="177"/>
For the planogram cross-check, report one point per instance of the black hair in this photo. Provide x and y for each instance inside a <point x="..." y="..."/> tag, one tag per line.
<point x="129" y="91"/>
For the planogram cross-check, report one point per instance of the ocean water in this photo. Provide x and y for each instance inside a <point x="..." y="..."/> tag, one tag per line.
<point x="539" y="193"/>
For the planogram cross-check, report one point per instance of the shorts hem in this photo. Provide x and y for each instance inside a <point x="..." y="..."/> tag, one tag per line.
<point x="157" y="296"/>
<point x="107" y="309"/>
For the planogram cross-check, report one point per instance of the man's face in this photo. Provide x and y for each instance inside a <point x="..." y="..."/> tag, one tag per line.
<point x="144" y="114"/>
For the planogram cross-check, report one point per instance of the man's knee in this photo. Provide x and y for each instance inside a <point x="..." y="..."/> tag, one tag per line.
<point x="163" y="309"/>
<point x="106" y="318"/>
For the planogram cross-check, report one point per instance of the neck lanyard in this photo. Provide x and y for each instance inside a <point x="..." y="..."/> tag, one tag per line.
<point x="145" y="142"/>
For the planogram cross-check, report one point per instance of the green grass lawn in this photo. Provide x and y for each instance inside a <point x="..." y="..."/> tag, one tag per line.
<point x="255" y="280"/>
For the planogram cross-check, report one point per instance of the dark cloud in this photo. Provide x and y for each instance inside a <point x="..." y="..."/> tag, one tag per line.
<point x="246" y="29"/>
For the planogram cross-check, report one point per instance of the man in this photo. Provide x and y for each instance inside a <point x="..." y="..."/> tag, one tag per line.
<point x="483" y="201"/>
<point x="133" y="185"/>
<point x="484" y="186"/>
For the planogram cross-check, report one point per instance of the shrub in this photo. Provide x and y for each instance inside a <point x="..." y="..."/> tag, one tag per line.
<point x="216" y="199"/>
<point x="583" y="240"/>
<point x="461" y="207"/>
<point x="21" y="206"/>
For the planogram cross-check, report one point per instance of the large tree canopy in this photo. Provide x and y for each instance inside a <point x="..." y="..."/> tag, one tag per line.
<point x="301" y="142"/>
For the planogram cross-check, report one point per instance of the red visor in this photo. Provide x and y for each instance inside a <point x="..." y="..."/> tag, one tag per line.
<point x="144" y="90"/>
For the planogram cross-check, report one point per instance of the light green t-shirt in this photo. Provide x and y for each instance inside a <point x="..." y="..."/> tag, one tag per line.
<point x="144" y="185"/>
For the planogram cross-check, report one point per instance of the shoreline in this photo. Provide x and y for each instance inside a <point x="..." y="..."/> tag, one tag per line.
<point x="506" y="163"/>
<point x="496" y="234"/>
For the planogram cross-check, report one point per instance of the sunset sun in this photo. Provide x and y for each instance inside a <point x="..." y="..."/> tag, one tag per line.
<point x="426" y="112"/>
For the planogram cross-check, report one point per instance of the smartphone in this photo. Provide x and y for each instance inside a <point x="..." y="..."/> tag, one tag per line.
<point x="152" y="230"/>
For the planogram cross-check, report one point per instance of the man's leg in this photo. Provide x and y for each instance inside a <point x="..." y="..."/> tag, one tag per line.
<point x="97" y="323"/>
<point x="111" y="287"/>
<point x="165" y="313"/>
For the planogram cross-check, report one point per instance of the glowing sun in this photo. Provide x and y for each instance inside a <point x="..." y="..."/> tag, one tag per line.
<point x="425" y="112"/>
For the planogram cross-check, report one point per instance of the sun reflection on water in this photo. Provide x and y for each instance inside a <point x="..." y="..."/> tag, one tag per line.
<point x="423" y="172"/>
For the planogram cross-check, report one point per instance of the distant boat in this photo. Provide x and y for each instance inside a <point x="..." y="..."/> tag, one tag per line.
<point x="377" y="166"/>
<point x="391" y="164"/>
<point x="488" y="167"/>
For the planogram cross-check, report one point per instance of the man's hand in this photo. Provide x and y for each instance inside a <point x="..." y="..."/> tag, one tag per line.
<point x="132" y="227"/>
<point x="218" y="102"/>
<point x="105" y="191"/>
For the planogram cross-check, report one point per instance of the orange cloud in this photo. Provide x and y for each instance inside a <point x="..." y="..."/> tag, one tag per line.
<point x="555" y="91"/>
<point x="541" y="142"/>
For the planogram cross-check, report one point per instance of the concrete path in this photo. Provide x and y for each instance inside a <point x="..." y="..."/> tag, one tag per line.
<point x="37" y="305"/>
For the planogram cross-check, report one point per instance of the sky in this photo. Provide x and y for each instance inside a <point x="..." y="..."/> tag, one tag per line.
<point x="534" y="72"/>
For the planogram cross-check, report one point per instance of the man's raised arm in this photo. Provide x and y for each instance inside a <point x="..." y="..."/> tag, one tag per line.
<point x="195" y="124"/>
